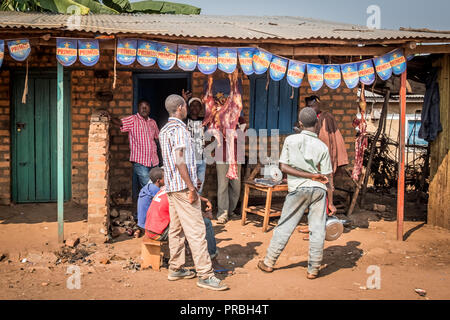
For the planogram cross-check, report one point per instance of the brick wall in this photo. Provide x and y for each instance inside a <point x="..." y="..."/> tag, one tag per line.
<point x="98" y="178"/>
<point x="84" y="85"/>
<point x="342" y="103"/>
<point x="5" y="139"/>
<point x="84" y="101"/>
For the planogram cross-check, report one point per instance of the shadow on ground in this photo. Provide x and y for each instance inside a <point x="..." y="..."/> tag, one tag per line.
<point x="41" y="212"/>
<point x="334" y="258"/>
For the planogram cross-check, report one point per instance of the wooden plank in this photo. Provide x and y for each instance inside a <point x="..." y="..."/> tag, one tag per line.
<point x="401" y="162"/>
<point x="439" y="188"/>
<point x="273" y="105"/>
<point x="42" y="139"/>
<point x="53" y="140"/>
<point x="296" y="51"/>
<point x="245" y="203"/>
<point x="286" y="105"/>
<point x="431" y="49"/>
<point x="24" y="181"/>
<point x="260" y="103"/>
<point x="353" y="50"/>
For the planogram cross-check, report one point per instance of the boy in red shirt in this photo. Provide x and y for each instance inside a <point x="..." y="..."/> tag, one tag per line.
<point x="158" y="219"/>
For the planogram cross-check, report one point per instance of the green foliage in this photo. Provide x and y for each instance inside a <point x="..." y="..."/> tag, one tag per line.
<point x="118" y="5"/>
<point x="163" y="7"/>
<point x="63" y="6"/>
<point x="97" y="7"/>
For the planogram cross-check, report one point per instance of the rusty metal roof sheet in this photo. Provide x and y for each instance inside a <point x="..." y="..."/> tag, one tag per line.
<point x="211" y="26"/>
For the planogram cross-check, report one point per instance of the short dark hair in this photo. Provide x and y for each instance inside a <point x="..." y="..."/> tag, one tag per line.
<point x="143" y="101"/>
<point x="311" y="99"/>
<point x="308" y="117"/>
<point x="156" y="174"/>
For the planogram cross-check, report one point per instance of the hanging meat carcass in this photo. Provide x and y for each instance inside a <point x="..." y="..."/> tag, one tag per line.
<point x="223" y="119"/>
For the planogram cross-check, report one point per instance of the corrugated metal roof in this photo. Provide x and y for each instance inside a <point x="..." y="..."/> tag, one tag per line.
<point x="209" y="26"/>
<point x="375" y="97"/>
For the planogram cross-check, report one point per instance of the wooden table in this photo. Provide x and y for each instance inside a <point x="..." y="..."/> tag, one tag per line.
<point x="265" y="211"/>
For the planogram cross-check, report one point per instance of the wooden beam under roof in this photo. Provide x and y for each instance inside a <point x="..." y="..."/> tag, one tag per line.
<point x="293" y="50"/>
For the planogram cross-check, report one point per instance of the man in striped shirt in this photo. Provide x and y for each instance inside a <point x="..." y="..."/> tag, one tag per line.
<point x="186" y="219"/>
<point x="142" y="134"/>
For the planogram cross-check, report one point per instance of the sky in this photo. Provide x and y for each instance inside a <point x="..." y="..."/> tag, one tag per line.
<point x="431" y="14"/>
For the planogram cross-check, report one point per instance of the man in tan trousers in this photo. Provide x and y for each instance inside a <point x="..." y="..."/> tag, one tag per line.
<point x="186" y="221"/>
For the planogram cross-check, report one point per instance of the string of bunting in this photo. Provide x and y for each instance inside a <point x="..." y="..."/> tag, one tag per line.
<point x="253" y="60"/>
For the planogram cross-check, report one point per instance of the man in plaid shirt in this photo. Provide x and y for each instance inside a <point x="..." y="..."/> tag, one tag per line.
<point x="186" y="221"/>
<point x="142" y="133"/>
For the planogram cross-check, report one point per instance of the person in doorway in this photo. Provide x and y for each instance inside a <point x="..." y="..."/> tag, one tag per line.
<point x="186" y="219"/>
<point x="147" y="194"/>
<point x="306" y="161"/>
<point x="228" y="191"/>
<point x="158" y="219"/>
<point x="328" y="133"/>
<point x="195" y="126"/>
<point x="143" y="135"/>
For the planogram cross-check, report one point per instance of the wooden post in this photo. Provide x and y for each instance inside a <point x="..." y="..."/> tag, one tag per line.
<point x="373" y="146"/>
<point x="60" y="151"/>
<point x="401" y="160"/>
<point x="245" y="203"/>
<point x="267" y="209"/>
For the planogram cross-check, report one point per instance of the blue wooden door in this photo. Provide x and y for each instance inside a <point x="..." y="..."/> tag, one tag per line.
<point x="274" y="108"/>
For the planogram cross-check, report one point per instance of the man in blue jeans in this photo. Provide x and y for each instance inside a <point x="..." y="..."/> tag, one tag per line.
<point x="306" y="161"/>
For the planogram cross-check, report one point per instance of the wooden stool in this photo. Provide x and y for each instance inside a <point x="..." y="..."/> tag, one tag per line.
<point x="151" y="253"/>
<point x="264" y="211"/>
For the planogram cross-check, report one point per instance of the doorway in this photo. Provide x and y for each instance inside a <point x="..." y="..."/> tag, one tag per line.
<point x="155" y="87"/>
<point x="34" y="145"/>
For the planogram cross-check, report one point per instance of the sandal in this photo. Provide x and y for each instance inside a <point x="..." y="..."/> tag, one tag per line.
<point x="312" y="276"/>
<point x="262" y="266"/>
<point x="222" y="220"/>
<point x="303" y="229"/>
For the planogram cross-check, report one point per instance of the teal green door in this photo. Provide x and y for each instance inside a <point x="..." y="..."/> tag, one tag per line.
<point x="34" y="149"/>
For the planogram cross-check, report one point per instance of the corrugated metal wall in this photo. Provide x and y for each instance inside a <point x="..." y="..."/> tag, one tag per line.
<point x="439" y="191"/>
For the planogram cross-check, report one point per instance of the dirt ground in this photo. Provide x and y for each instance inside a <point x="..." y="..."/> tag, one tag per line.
<point x="422" y="261"/>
